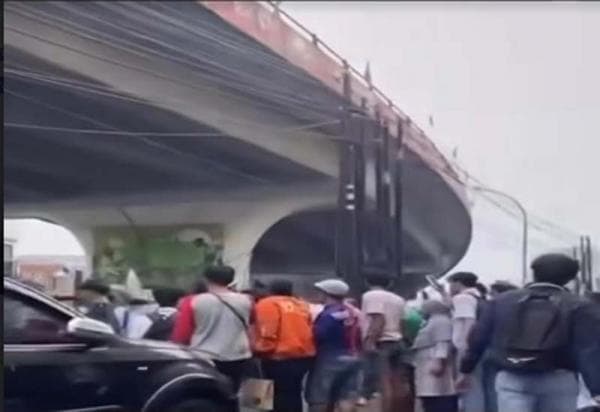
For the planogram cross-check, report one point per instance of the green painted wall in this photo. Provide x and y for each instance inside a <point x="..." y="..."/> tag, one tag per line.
<point x="161" y="255"/>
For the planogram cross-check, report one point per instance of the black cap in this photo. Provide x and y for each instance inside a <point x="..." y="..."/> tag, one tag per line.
<point x="95" y="285"/>
<point x="281" y="287"/>
<point x="555" y="268"/>
<point x="467" y="279"/>
<point x="502" y="286"/>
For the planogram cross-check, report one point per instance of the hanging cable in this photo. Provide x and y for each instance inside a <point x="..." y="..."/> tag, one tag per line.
<point x="158" y="134"/>
<point x="266" y="90"/>
<point x="158" y="145"/>
<point x="532" y="223"/>
<point x="535" y="221"/>
<point x="200" y="87"/>
<point x="65" y="84"/>
<point x="78" y="86"/>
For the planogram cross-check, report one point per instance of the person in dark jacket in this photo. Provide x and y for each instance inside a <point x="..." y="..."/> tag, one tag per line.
<point x="163" y="319"/>
<point x="585" y="402"/>
<point x="501" y="286"/>
<point x="92" y="299"/>
<point x="490" y="369"/>
<point x="539" y="375"/>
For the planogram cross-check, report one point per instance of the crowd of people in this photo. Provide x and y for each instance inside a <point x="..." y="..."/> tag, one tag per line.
<point x="529" y="349"/>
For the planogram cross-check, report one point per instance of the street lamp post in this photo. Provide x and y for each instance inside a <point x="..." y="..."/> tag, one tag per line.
<point x="525" y="223"/>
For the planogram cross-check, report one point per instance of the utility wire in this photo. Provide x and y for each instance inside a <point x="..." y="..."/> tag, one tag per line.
<point x="218" y="75"/>
<point x="209" y="31"/>
<point x="110" y="93"/>
<point x="535" y="221"/>
<point x="159" y="134"/>
<point x="71" y="84"/>
<point x="187" y="84"/>
<point x="533" y="218"/>
<point x="511" y="213"/>
<point x="153" y="143"/>
<point x="71" y="8"/>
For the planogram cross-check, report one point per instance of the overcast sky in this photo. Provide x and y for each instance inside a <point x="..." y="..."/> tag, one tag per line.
<point x="515" y="86"/>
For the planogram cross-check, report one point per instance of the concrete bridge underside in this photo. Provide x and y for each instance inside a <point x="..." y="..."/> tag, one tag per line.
<point x="177" y="148"/>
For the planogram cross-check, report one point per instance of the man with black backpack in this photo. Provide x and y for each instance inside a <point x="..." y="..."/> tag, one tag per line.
<point x="540" y="337"/>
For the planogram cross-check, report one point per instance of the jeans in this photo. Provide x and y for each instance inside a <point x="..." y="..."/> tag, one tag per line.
<point x="440" y="403"/>
<point x="333" y="379"/>
<point x="554" y="391"/>
<point x="473" y="400"/>
<point x="489" y="372"/>
<point x="287" y="376"/>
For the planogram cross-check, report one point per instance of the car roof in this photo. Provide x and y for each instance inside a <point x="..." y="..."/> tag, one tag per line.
<point x="31" y="292"/>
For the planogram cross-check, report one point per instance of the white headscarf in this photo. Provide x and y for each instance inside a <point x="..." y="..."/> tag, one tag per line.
<point x="438" y="327"/>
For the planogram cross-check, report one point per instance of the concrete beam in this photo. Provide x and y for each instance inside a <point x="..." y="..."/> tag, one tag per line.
<point x="150" y="200"/>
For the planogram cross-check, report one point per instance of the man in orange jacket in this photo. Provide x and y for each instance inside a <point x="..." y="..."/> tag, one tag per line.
<point x="284" y="342"/>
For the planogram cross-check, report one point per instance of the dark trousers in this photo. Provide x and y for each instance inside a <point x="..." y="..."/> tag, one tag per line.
<point x="372" y="371"/>
<point x="234" y="370"/>
<point x="397" y="377"/>
<point x="287" y="376"/>
<point x="370" y="374"/>
<point x="440" y="403"/>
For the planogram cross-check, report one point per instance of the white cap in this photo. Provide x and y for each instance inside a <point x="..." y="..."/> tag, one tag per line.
<point x="134" y="288"/>
<point x="333" y="287"/>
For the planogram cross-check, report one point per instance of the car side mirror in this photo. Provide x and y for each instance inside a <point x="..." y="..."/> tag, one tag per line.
<point x="90" y="330"/>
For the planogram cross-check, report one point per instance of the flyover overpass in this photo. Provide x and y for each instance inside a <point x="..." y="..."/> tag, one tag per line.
<point x="223" y="117"/>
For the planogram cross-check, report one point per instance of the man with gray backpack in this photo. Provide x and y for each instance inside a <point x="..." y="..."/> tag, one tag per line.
<point x="540" y="337"/>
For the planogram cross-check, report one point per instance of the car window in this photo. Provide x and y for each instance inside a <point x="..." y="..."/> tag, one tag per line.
<point x="29" y="322"/>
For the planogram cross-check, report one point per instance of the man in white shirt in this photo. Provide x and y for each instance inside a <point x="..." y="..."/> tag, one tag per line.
<point x="383" y="343"/>
<point x="465" y="301"/>
<point x="134" y="319"/>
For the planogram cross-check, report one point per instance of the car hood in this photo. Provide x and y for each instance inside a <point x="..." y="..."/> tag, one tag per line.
<point x="165" y="350"/>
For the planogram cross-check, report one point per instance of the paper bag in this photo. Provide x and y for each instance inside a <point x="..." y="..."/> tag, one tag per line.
<point x="257" y="394"/>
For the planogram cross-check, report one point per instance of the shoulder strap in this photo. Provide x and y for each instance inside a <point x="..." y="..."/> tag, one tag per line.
<point x="481" y="304"/>
<point x="232" y="309"/>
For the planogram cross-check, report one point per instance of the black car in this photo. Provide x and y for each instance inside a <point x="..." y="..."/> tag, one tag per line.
<point x="55" y="359"/>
